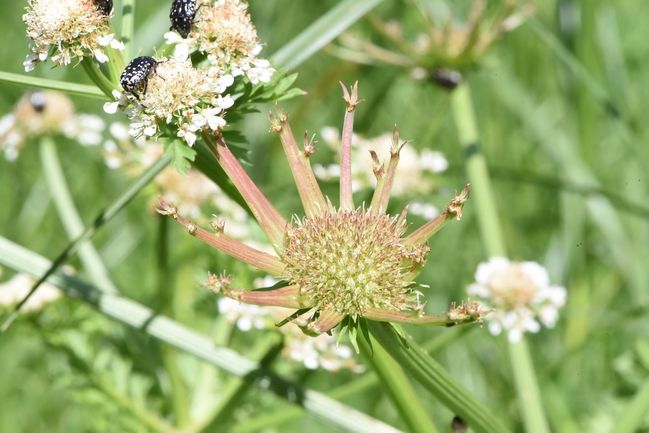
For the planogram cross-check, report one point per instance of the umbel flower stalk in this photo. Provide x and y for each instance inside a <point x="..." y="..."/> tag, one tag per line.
<point x="337" y="265"/>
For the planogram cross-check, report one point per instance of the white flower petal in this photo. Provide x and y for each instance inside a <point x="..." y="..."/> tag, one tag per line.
<point x="111" y="107"/>
<point x="100" y="56"/>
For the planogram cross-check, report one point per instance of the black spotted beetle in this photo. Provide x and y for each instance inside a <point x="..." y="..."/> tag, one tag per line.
<point x="136" y="74"/>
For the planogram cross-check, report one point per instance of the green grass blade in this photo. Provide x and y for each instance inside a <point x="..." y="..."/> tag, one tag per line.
<point x="69" y="216"/>
<point x="321" y="32"/>
<point x="164" y="329"/>
<point x="44" y="83"/>
<point x="432" y="376"/>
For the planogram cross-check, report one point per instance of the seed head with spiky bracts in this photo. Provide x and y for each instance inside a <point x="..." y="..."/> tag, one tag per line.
<point x="338" y="265"/>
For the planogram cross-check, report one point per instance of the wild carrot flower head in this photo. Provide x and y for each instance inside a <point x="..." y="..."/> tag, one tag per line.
<point x="519" y="292"/>
<point x="223" y="31"/>
<point x="177" y="94"/>
<point x="65" y="29"/>
<point x="337" y="264"/>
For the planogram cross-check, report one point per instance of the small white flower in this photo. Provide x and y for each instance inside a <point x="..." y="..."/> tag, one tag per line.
<point x="424" y="210"/>
<point x="224" y="82"/>
<point x="136" y="129"/>
<point x="179" y="94"/>
<point x="173" y="38"/>
<point x="519" y="292"/>
<point x="111" y="107"/>
<point x="213" y="119"/>
<point x="187" y="131"/>
<point x="118" y="45"/>
<point x="181" y="53"/>
<point x="30" y="62"/>
<point x="433" y="161"/>
<point x="224" y="102"/>
<point x="100" y="56"/>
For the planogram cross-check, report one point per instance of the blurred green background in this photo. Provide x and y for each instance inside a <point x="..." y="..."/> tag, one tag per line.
<point x="560" y="104"/>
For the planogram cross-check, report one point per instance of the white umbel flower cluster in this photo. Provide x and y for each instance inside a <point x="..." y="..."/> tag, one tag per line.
<point x="177" y="93"/>
<point x="521" y="295"/>
<point x="224" y="32"/>
<point x="65" y="29"/>
<point x="44" y="112"/>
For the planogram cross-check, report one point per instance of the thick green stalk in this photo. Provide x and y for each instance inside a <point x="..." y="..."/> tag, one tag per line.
<point x="527" y="388"/>
<point x="72" y="224"/>
<point x="476" y="167"/>
<point x="396" y="384"/>
<point x="361" y="385"/>
<point x="432" y="376"/>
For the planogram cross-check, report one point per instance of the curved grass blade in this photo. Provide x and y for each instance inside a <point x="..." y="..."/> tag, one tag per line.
<point x="321" y="32"/>
<point x="67" y="211"/>
<point x="44" y="83"/>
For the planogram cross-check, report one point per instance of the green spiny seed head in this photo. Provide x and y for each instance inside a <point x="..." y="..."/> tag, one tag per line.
<point x="351" y="260"/>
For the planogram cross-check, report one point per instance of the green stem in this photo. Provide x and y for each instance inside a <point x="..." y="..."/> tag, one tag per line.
<point x="321" y="32"/>
<point x="98" y="77"/>
<point x="431" y="375"/>
<point x="635" y="412"/>
<point x="179" y="393"/>
<point x="527" y="388"/>
<point x="529" y="396"/>
<point x="476" y="167"/>
<point x="396" y="384"/>
<point x="363" y="384"/>
<point x="64" y="204"/>
<point x="62" y="86"/>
